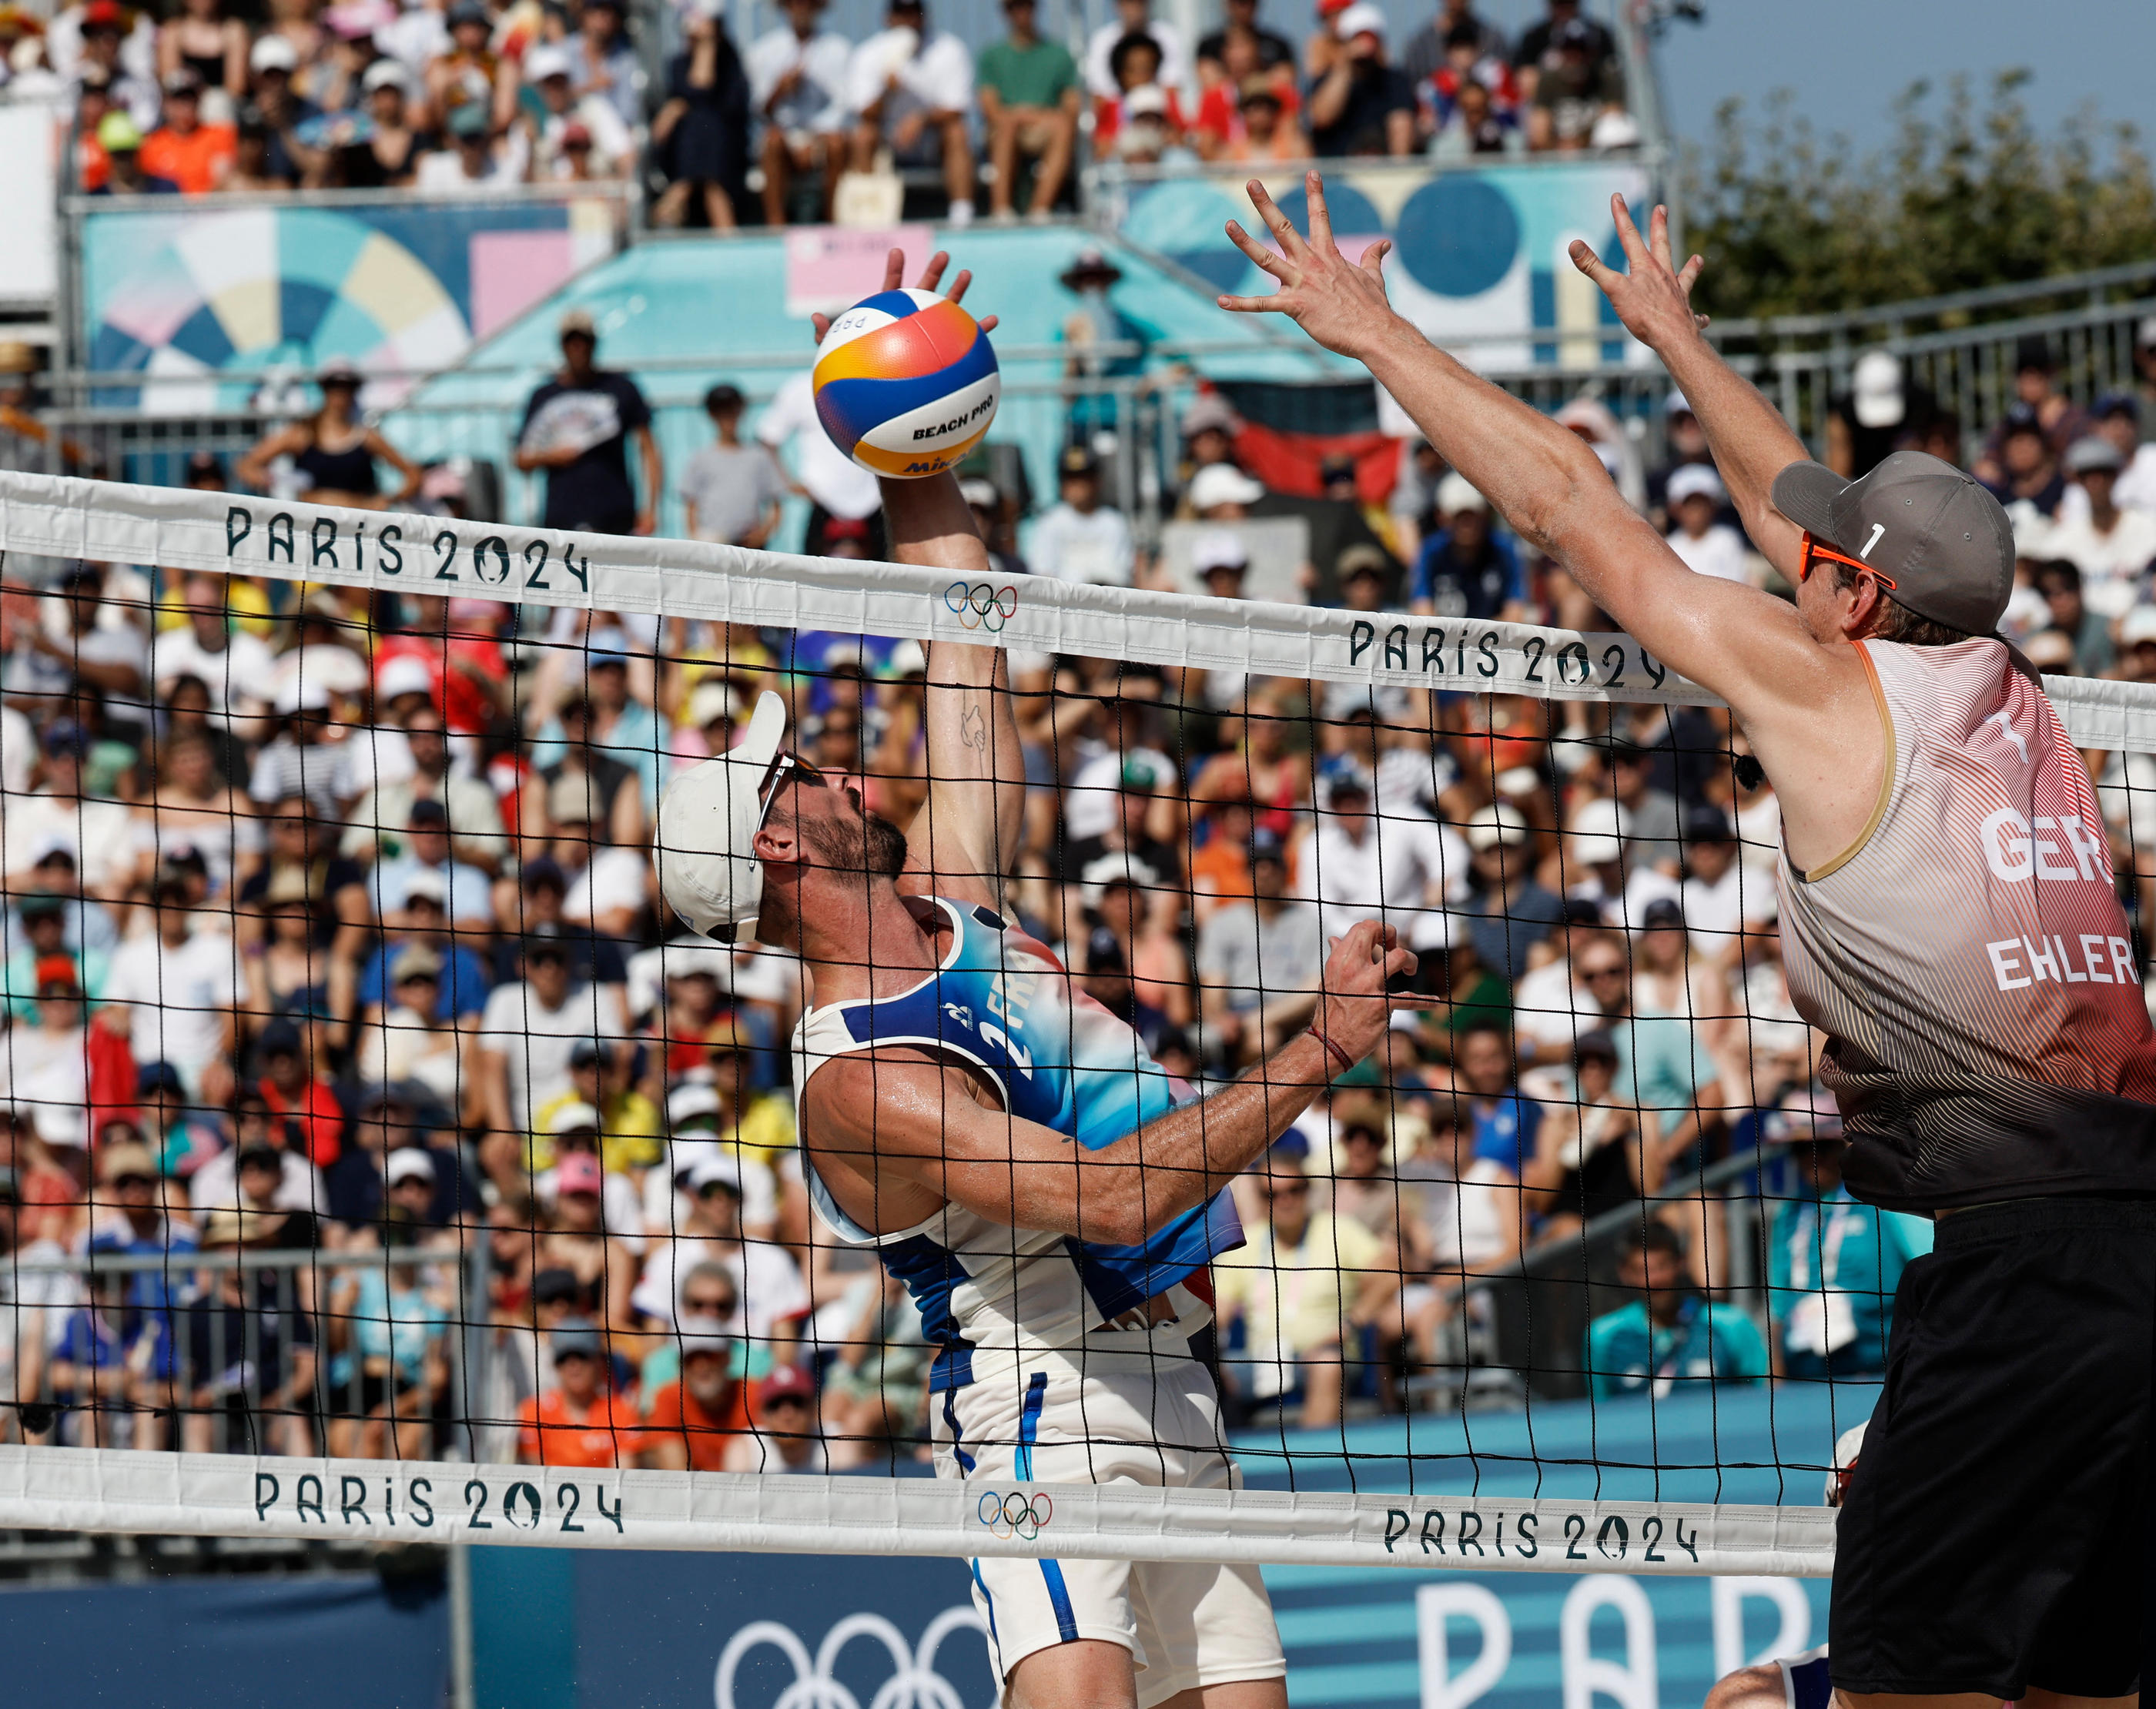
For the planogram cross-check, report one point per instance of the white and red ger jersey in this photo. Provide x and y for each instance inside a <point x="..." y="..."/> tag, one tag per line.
<point x="1969" y="956"/>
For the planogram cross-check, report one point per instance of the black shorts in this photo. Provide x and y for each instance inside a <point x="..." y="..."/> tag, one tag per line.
<point x="1992" y="1536"/>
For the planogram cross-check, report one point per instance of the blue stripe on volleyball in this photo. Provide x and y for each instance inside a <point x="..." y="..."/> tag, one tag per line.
<point x="894" y="303"/>
<point x="848" y="408"/>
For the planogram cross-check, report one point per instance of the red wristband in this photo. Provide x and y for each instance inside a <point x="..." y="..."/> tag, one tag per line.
<point x="1332" y="1049"/>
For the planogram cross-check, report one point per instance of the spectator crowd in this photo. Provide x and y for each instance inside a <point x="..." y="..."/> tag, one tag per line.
<point x="357" y="1093"/>
<point x="206" y="96"/>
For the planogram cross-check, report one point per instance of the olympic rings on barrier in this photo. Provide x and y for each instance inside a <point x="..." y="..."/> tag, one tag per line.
<point x="979" y="606"/>
<point x="916" y="1682"/>
<point x="1015" y="1514"/>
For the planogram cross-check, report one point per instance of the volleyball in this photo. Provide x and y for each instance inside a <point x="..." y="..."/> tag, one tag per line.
<point x="906" y="383"/>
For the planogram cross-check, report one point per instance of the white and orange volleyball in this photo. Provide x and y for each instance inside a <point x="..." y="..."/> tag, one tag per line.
<point x="906" y="383"/>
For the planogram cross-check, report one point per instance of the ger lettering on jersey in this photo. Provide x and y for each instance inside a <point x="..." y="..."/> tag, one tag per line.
<point x="1969" y="958"/>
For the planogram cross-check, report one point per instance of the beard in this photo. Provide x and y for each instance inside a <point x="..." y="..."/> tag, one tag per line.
<point x="872" y="845"/>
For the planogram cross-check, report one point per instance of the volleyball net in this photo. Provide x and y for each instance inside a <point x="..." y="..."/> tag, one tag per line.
<point x="384" y="1160"/>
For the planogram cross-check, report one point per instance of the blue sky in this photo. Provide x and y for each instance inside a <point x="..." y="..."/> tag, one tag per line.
<point x="1847" y="60"/>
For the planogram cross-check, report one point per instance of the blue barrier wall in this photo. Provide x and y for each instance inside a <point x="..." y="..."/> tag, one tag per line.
<point x="339" y="1641"/>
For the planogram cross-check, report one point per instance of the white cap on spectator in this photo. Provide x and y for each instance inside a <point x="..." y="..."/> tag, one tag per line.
<point x="386" y="74"/>
<point x="1223" y="484"/>
<point x="50" y="844"/>
<point x="1614" y="130"/>
<point x="1496" y="823"/>
<point x="2144" y="335"/>
<point x="1363" y="19"/>
<point x="1456" y="492"/>
<point x="1594" y="837"/>
<point x="2093" y="453"/>
<point x="1696" y="480"/>
<point x="1676" y="404"/>
<point x="1147" y="99"/>
<point x="1219" y="549"/>
<point x="690" y="1100"/>
<point x="302" y="694"/>
<point x="2137" y="626"/>
<point x="714" y="699"/>
<point x="1876" y="389"/>
<point x="703" y="1335"/>
<point x="547" y="60"/>
<point x="404" y="675"/>
<point x="1120" y="866"/>
<point x="716" y="1169"/>
<point x="572" y="1117"/>
<point x="273" y="53"/>
<point x="431" y="885"/>
<point x="407" y="1162"/>
<point x="708" y="820"/>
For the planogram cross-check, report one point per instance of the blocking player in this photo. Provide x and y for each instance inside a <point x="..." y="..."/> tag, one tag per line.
<point x="1949" y="919"/>
<point x="1050" y="1196"/>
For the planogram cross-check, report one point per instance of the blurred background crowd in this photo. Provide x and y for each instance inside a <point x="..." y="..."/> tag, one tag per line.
<point x="799" y="122"/>
<point x="357" y="1092"/>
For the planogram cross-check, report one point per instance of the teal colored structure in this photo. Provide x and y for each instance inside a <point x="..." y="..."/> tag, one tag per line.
<point x="681" y="315"/>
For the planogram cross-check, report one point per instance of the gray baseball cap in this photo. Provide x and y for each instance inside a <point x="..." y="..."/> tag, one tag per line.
<point x="1941" y="541"/>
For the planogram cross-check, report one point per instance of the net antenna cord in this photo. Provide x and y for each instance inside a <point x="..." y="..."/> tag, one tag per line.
<point x="374" y="1500"/>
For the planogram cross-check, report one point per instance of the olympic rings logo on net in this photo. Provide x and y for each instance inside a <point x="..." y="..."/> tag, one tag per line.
<point x="1015" y="1514"/>
<point x="979" y="606"/>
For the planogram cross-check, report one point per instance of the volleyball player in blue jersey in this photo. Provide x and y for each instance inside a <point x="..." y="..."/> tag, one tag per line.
<point x="1050" y="1195"/>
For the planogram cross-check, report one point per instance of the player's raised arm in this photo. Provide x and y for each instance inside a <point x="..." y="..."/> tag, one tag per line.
<point x="1751" y="443"/>
<point x="966" y="833"/>
<point x="1751" y="648"/>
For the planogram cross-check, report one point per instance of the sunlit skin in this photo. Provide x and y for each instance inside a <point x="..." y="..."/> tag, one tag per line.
<point x="1801" y="692"/>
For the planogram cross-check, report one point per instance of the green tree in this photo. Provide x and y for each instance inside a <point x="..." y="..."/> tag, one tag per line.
<point x="1965" y="197"/>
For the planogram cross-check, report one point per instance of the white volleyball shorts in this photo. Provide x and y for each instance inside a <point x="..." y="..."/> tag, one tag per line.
<point x="1130" y="1419"/>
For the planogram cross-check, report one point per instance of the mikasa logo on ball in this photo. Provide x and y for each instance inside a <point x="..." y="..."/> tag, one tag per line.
<point x="903" y="373"/>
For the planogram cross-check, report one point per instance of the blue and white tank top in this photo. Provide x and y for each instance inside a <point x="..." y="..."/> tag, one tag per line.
<point x="992" y="1296"/>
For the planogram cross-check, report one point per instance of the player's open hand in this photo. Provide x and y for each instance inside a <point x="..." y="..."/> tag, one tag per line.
<point x="1653" y="297"/>
<point x="1340" y="304"/>
<point x="932" y="275"/>
<point x="1353" y="1006"/>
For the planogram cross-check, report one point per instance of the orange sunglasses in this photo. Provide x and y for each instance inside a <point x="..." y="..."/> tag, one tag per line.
<point x="1813" y="551"/>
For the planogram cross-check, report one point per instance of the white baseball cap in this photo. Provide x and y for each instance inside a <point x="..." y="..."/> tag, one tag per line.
<point x="1223" y="484"/>
<point x="2137" y="626"/>
<point x="1696" y="480"/>
<point x="404" y="675"/>
<point x="548" y="61"/>
<point x="689" y="1100"/>
<point x="1219" y="549"/>
<point x="273" y="53"/>
<point x="1496" y="823"/>
<point x="302" y="695"/>
<point x="407" y="1162"/>
<point x="1362" y="19"/>
<point x="1876" y="388"/>
<point x="708" y="819"/>
<point x="1595" y="833"/>
<point x="1456" y="492"/>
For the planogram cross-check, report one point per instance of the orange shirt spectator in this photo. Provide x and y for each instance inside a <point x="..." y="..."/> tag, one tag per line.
<point x="581" y="1423"/>
<point x="695" y="1418"/>
<point x="194" y="155"/>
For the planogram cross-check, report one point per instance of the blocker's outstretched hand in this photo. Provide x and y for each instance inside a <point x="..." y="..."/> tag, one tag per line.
<point x="1340" y="304"/>
<point x="1653" y="297"/>
<point x="932" y="275"/>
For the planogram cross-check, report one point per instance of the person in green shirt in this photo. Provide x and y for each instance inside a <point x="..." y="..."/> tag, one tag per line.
<point x="1029" y="97"/>
<point x="1669" y="1335"/>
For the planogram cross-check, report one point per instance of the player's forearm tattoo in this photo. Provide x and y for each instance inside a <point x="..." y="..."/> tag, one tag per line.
<point x="974" y="728"/>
